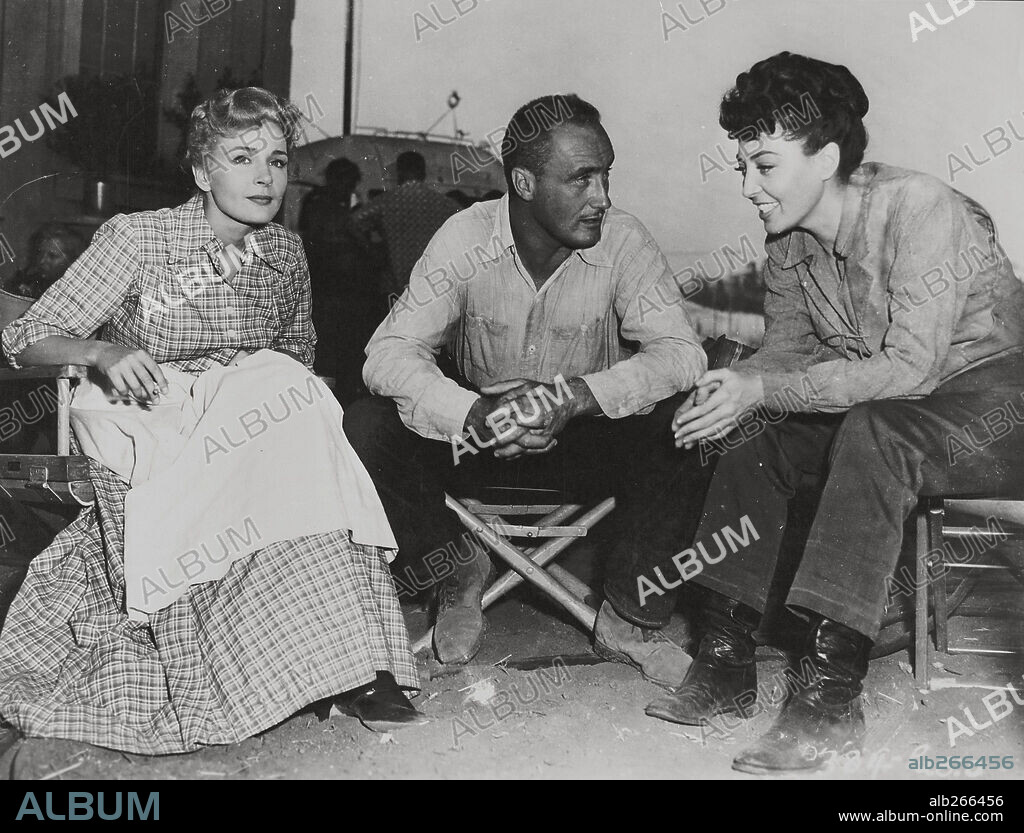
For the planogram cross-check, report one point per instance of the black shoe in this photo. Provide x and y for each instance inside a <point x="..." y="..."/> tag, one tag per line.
<point x="380" y="706"/>
<point x="723" y="677"/>
<point x="823" y="719"/>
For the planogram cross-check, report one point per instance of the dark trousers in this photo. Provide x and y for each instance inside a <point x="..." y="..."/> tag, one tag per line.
<point x="872" y="464"/>
<point x="659" y="490"/>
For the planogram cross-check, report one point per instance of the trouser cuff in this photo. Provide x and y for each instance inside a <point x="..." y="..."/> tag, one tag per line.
<point x="656" y="612"/>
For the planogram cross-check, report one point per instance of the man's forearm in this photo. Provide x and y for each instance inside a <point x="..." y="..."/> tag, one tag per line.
<point x="583" y="401"/>
<point x="646" y="378"/>
<point x="429" y="404"/>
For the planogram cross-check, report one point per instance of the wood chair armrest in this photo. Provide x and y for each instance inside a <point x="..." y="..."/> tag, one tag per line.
<point x="45" y="371"/>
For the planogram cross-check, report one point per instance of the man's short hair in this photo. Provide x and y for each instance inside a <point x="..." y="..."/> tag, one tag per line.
<point x="411" y="166"/>
<point x="527" y="142"/>
<point x="342" y="173"/>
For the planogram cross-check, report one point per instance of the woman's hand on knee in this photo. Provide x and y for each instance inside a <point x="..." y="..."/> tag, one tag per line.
<point x="714" y="406"/>
<point x="698" y="396"/>
<point x="131" y="372"/>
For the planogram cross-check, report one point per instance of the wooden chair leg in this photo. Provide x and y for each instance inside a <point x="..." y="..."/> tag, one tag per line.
<point x="569" y="581"/>
<point x="63" y="417"/>
<point x="937" y="573"/>
<point x="921" y="591"/>
<point x="941" y="608"/>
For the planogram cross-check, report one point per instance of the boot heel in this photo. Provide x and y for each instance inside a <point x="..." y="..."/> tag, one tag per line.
<point x="824" y="720"/>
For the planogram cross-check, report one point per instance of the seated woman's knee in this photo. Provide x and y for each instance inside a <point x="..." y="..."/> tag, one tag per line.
<point x="870" y="423"/>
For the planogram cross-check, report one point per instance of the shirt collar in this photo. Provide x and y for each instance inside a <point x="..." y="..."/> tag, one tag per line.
<point x="853" y="208"/>
<point x="799" y="247"/>
<point x="502" y="233"/>
<point x="191" y="232"/>
<point x="597" y="255"/>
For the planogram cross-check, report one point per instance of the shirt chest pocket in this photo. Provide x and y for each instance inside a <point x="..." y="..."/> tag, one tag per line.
<point x="262" y="310"/>
<point x="162" y="295"/>
<point x="484" y="346"/>
<point x="577" y="348"/>
<point x="574" y="333"/>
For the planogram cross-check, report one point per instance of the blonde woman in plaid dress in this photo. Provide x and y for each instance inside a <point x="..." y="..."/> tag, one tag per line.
<point x="204" y="312"/>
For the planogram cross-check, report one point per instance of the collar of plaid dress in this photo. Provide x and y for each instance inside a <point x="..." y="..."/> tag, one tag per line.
<point x="191" y="232"/>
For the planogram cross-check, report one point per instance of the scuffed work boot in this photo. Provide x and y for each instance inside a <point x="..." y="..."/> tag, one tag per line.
<point x="459" y="627"/>
<point x="648" y="650"/>
<point x="723" y="677"/>
<point x="822" y="719"/>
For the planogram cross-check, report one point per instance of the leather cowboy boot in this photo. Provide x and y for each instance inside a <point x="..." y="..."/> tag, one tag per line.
<point x="723" y="670"/>
<point x="823" y="719"/>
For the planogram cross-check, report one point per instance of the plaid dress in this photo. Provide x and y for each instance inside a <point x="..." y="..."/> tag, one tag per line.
<point x="294" y="622"/>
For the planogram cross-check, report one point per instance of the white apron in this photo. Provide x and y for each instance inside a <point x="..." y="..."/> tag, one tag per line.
<point x="223" y="465"/>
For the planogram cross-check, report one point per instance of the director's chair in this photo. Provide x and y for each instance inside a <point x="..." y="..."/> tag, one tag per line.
<point x="35" y="478"/>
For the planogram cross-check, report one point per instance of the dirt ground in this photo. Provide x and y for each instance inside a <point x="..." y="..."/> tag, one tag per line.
<point x="577" y="721"/>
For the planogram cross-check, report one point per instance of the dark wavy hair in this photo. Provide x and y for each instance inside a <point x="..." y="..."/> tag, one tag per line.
<point x="527" y="141"/>
<point x="808" y="99"/>
<point x="229" y="112"/>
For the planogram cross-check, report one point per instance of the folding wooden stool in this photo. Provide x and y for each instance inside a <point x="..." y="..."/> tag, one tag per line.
<point x="487" y="521"/>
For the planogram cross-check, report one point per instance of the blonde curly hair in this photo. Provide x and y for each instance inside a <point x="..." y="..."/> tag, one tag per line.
<point x="228" y="112"/>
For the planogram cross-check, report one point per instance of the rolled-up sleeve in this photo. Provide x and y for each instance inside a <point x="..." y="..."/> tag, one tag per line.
<point x="297" y="336"/>
<point x="928" y="228"/>
<point x="652" y="313"/>
<point x="88" y="294"/>
<point x="401" y="358"/>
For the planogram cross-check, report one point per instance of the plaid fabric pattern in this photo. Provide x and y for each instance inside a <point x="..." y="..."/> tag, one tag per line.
<point x="409" y="215"/>
<point x="293" y="623"/>
<point x="153" y="281"/>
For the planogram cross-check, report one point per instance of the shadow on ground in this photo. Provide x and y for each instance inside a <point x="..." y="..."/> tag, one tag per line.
<point x="574" y="721"/>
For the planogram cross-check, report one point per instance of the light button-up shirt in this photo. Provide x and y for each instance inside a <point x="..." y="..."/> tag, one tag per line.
<point x="916" y="290"/>
<point x="611" y="314"/>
